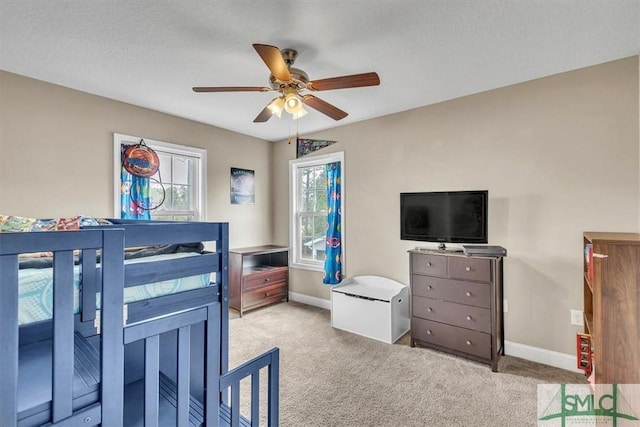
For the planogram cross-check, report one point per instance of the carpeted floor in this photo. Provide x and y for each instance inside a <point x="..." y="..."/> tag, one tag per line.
<point x="329" y="377"/>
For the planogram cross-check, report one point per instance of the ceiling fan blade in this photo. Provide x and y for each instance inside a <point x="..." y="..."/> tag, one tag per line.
<point x="273" y="58"/>
<point x="231" y="89"/>
<point x="343" y="82"/>
<point x="324" y="107"/>
<point x="264" y="115"/>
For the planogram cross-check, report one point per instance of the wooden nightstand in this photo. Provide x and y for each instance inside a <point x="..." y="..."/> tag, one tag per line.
<point x="258" y="276"/>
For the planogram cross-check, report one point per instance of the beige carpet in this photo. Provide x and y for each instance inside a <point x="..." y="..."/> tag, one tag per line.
<point x="329" y="377"/>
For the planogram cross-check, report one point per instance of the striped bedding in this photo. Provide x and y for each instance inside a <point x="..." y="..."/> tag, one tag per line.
<point x="35" y="294"/>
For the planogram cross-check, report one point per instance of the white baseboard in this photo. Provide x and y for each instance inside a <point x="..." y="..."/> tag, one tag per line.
<point x="541" y="355"/>
<point x="523" y="351"/>
<point x="314" y="301"/>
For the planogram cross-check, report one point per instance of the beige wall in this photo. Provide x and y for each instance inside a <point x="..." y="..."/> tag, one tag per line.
<point x="56" y="151"/>
<point x="558" y="155"/>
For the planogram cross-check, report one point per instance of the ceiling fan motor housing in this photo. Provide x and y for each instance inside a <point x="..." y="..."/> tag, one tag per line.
<point x="299" y="80"/>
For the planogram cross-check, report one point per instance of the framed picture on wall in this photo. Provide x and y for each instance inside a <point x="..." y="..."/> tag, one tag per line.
<point x="242" y="187"/>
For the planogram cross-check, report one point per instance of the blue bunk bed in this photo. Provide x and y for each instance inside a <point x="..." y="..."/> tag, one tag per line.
<point x="123" y="342"/>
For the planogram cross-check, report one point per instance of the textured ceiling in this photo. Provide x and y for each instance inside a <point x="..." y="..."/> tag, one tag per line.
<point x="150" y="53"/>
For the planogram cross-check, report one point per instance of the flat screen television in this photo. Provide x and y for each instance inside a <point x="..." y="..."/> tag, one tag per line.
<point x="444" y="216"/>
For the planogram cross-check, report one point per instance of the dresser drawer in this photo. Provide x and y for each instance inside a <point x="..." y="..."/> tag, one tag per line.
<point x="459" y="339"/>
<point x="470" y="268"/>
<point x="469" y="293"/>
<point x="433" y="265"/>
<point x="264" y="278"/>
<point x="273" y="292"/>
<point x="465" y="316"/>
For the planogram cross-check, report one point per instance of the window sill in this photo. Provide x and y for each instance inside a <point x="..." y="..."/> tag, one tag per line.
<point x="301" y="266"/>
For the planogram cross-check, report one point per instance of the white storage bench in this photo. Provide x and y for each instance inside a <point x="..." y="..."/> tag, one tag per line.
<point x="372" y="306"/>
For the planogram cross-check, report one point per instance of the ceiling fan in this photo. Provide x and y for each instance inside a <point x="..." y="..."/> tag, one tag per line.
<point x="292" y="82"/>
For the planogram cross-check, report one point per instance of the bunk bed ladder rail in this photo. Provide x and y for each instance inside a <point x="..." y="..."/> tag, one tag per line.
<point x="231" y="380"/>
<point x="188" y="411"/>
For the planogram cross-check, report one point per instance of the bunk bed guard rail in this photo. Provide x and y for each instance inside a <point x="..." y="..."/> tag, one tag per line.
<point x="64" y="372"/>
<point x="96" y="363"/>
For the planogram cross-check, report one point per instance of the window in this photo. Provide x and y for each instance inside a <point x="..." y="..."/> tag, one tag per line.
<point x="308" y="205"/>
<point x="177" y="190"/>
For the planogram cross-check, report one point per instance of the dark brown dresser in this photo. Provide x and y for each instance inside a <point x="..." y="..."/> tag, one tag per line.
<point x="456" y="304"/>
<point x="258" y="275"/>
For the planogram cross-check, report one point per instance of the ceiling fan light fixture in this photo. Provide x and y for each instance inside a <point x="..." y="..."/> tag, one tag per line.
<point x="300" y="113"/>
<point x="292" y="103"/>
<point x="276" y="106"/>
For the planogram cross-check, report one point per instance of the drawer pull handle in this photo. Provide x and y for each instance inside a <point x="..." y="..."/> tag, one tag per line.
<point x="468" y="317"/>
<point x="429" y="309"/>
<point x="468" y="268"/>
<point x="429" y="287"/>
<point x="428" y="331"/>
<point x="428" y="264"/>
<point x="468" y="294"/>
<point x="266" y="279"/>
<point x="468" y="342"/>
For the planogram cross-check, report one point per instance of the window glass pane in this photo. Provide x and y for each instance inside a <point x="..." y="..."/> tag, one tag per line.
<point x="306" y="236"/>
<point x="312" y="205"/>
<point x="321" y="199"/>
<point x="176" y="197"/>
<point x="164" y="171"/>
<point x="312" y="236"/>
<point x="168" y="198"/>
<point x="182" y="167"/>
<point x="319" y="227"/>
<point x="180" y="194"/>
<point x="156" y="194"/>
<point x="312" y="189"/>
<point x="307" y="202"/>
<point x="306" y="226"/>
<point x="306" y="252"/>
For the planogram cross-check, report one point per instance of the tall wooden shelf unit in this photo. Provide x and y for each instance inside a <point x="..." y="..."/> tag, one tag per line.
<point x="612" y="306"/>
<point x="258" y="275"/>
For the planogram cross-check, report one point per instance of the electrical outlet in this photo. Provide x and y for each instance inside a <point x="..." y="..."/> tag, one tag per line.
<point x="577" y="318"/>
<point x="505" y="306"/>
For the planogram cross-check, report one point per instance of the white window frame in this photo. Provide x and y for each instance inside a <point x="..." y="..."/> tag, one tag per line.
<point x="200" y="181"/>
<point x="295" y="241"/>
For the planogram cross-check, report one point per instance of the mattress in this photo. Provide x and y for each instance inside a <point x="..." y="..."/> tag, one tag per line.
<point x="35" y="290"/>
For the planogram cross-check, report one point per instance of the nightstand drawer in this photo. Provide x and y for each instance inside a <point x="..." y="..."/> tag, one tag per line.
<point x="432" y="265"/>
<point x="464" y="316"/>
<point x="459" y="339"/>
<point x="469" y="293"/>
<point x="274" y="292"/>
<point x="265" y="278"/>
<point x="466" y="268"/>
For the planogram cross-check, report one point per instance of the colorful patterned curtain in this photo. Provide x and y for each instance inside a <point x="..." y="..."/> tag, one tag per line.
<point x="333" y="261"/>
<point x="134" y="193"/>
